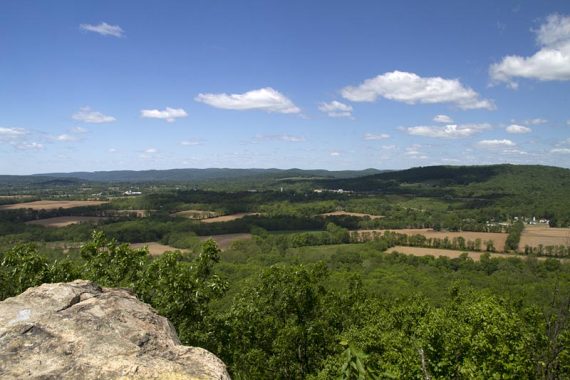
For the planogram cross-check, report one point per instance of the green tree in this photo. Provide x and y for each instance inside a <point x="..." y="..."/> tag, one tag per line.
<point x="278" y="324"/>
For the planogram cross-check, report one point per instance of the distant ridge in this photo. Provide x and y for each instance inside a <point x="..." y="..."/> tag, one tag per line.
<point x="514" y="178"/>
<point x="183" y="175"/>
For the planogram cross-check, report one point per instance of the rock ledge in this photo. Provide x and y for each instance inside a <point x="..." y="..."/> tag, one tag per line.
<point x="79" y="330"/>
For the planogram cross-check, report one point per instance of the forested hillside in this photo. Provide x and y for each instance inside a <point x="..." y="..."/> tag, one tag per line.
<point x="202" y="175"/>
<point x="511" y="189"/>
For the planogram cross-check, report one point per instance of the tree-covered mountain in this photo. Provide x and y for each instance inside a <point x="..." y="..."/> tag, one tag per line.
<point x="201" y="175"/>
<point x="506" y="177"/>
<point x="503" y="189"/>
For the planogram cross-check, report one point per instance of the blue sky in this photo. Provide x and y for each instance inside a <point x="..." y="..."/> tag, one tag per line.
<point x="107" y="85"/>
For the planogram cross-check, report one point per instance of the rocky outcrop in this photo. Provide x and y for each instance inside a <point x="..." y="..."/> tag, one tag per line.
<point x="78" y="330"/>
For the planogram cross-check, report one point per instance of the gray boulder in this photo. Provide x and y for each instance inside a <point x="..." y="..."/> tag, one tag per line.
<point x="79" y="330"/>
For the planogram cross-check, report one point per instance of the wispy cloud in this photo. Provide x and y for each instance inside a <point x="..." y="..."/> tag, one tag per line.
<point x="336" y="109"/>
<point x="449" y="131"/>
<point x="103" y="29"/>
<point x="29" y="146"/>
<point x="65" y="138"/>
<point x="410" y="88"/>
<point x="560" y="150"/>
<point x="79" y="130"/>
<point x="496" y="143"/>
<point x="414" y="152"/>
<point x="282" y="137"/>
<point x="537" y="121"/>
<point x="19" y="138"/>
<point x="168" y="114"/>
<point x="87" y="115"/>
<point x="264" y="99"/>
<point x="551" y="62"/>
<point x="518" y="129"/>
<point x="9" y="134"/>
<point x="376" y="136"/>
<point x="443" y="119"/>
<point x="191" y="142"/>
<point x="514" y="151"/>
<point x="151" y="154"/>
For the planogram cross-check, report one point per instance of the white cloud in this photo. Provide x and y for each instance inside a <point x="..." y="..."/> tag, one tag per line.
<point x="411" y="88"/>
<point x="373" y="136"/>
<point x="336" y="109"/>
<point x="551" y="62"/>
<point x="518" y="129"/>
<point x="335" y="154"/>
<point x="103" y="29"/>
<point x="79" y="130"/>
<point x="451" y="160"/>
<point x="448" y="131"/>
<point x="12" y="133"/>
<point x="560" y="150"/>
<point x="86" y="115"/>
<point x="191" y="142"/>
<point x="556" y="31"/>
<point x="515" y="151"/>
<point x="496" y="143"/>
<point x="443" y="119"/>
<point x="151" y="150"/>
<point x="283" y="137"/>
<point x="112" y="150"/>
<point x="264" y="99"/>
<point x="29" y="146"/>
<point x="290" y="138"/>
<point x="168" y="114"/>
<point x="65" y="138"/>
<point x="414" y="152"/>
<point x="537" y="121"/>
<point x="18" y="138"/>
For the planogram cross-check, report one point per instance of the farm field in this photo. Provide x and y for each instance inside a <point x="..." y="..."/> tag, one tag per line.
<point x="533" y="236"/>
<point x="51" y="205"/>
<point x="224" y="241"/>
<point x="228" y="218"/>
<point x="356" y="214"/>
<point x="452" y="254"/>
<point x="497" y="238"/>
<point x="135" y="213"/>
<point x="195" y="214"/>
<point x="63" y="221"/>
<point x="154" y="248"/>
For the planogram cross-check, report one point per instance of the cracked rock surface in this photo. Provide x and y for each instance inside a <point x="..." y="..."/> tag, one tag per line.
<point x="78" y="330"/>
